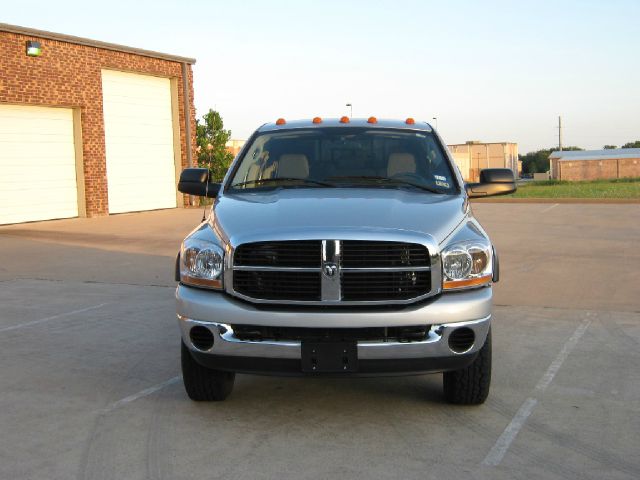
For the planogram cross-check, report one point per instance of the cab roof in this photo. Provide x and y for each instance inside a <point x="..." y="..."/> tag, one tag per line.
<point x="353" y="122"/>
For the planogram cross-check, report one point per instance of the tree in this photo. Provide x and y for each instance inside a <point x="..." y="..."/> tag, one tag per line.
<point x="635" y="144"/>
<point x="211" y="138"/>
<point x="538" y="161"/>
<point x="609" y="147"/>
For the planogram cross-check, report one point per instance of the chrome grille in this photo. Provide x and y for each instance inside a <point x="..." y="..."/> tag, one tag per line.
<point x="332" y="271"/>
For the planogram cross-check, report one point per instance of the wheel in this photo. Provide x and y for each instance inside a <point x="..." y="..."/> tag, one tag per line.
<point x="470" y="385"/>
<point x="204" y="384"/>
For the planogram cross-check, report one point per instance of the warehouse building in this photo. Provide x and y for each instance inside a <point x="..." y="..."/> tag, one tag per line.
<point x="234" y="146"/>
<point x="595" y="164"/>
<point x="89" y="128"/>
<point x="473" y="156"/>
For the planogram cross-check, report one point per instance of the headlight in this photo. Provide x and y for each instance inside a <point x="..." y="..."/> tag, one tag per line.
<point x="466" y="265"/>
<point x="201" y="264"/>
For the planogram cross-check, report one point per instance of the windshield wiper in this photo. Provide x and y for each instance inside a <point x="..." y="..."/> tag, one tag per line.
<point x="282" y="179"/>
<point x="388" y="180"/>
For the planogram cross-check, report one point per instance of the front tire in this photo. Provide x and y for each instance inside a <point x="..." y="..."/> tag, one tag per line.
<point x="470" y="385"/>
<point x="204" y="384"/>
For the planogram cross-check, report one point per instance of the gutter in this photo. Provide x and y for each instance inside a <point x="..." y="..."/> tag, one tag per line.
<point x="59" y="37"/>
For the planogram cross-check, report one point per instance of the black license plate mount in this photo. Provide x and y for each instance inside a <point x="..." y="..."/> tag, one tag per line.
<point x="329" y="357"/>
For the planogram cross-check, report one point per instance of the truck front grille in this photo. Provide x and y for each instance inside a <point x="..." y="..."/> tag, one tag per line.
<point x="360" y="271"/>
<point x="365" y="286"/>
<point x="304" y="253"/>
<point x="278" y="285"/>
<point x="357" y="253"/>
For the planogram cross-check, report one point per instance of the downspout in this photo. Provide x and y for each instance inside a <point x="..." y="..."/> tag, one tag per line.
<point x="187" y="112"/>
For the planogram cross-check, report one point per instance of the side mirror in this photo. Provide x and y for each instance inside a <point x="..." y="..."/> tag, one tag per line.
<point x="493" y="181"/>
<point x="195" y="181"/>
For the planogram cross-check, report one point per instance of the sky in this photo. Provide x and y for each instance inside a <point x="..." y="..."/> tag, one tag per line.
<point x="493" y="71"/>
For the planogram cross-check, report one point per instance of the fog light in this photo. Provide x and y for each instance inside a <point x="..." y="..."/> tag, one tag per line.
<point x="201" y="337"/>
<point x="461" y="339"/>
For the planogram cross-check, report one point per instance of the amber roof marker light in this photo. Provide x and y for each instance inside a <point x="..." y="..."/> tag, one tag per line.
<point x="410" y="121"/>
<point x="281" y="121"/>
<point x="316" y="120"/>
<point x="344" y="119"/>
<point x="372" y="120"/>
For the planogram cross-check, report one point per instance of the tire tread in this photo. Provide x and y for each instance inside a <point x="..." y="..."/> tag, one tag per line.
<point x="470" y="385"/>
<point x="204" y="384"/>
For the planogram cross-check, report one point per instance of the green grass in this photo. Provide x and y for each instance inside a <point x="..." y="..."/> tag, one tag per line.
<point x="616" y="188"/>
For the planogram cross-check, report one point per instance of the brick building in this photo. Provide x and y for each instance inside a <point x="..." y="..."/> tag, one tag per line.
<point x="89" y="128"/>
<point x="473" y="156"/>
<point x="595" y="164"/>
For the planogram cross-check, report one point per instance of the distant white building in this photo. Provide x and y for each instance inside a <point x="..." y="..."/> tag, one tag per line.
<point x="473" y="156"/>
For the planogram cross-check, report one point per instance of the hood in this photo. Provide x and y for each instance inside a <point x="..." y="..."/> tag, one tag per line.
<point x="326" y="212"/>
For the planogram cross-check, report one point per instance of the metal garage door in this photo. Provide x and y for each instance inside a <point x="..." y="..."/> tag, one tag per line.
<point x="37" y="164"/>
<point x="138" y="124"/>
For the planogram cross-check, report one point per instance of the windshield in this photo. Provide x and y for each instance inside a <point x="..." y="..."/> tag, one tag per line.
<point x="344" y="157"/>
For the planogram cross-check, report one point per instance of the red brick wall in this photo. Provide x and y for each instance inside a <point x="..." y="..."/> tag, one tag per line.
<point x="629" y="167"/>
<point x="69" y="75"/>
<point x="596" y="169"/>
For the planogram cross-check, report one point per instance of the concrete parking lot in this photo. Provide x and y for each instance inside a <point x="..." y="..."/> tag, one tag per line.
<point x="90" y="386"/>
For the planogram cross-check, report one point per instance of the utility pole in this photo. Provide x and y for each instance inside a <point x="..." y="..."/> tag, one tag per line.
<point x="559" y="133"/>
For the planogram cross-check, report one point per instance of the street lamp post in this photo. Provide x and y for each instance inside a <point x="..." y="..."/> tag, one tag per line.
<point x="350" y="109"/>
<point x="436" y="120"/>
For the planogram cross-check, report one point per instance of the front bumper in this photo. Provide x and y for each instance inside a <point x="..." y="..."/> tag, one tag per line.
<point x="445" y="314"/>
<point x="219" y="307"/>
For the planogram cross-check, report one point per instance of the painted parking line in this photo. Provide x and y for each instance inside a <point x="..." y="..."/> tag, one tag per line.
<point x="500" y="448"/>
<point x="550" y="208"/>
<point x="547" y="378"/>
<point x="141" y="394"/>
<point x="53" y="317"/>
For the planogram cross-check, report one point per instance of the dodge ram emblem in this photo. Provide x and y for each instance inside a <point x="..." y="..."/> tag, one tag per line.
<point x="330" y="269"/>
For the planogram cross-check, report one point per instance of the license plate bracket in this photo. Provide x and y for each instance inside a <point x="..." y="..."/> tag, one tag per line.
<point x="329" y="357"/>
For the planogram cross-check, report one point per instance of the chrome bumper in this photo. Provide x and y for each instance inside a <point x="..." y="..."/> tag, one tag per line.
<point x="218" y="307"/>
<point x="218" y="312"/>
<point x="435" y="345"/>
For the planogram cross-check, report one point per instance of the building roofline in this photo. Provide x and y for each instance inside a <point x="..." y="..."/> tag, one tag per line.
<point x="606" y="154"/>
<point x="87" y="42"/>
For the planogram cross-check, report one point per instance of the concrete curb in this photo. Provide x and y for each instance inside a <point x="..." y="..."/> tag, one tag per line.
<point x="558" y="200"/>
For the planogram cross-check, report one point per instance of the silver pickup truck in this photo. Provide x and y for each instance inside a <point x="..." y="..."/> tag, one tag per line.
<point x="339" y="247"/>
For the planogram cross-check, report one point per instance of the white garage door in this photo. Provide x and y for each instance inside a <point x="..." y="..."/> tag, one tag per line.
<point x="138" y="124"/>
<point x="37" y="164"/>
